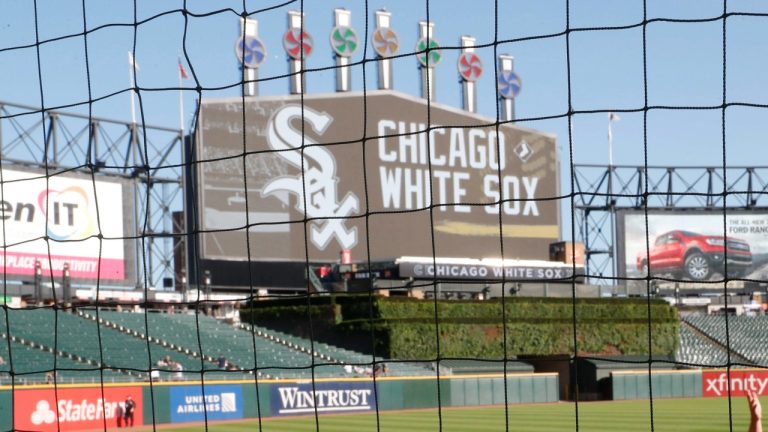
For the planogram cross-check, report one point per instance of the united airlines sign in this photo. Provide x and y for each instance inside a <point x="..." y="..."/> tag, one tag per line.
<point x="295" y="398"/>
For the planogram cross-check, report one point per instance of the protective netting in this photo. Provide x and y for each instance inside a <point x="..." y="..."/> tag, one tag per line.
<point x="240" y="260"/>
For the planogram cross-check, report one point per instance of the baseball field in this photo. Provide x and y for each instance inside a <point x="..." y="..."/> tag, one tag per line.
<point x="700" y="415"/>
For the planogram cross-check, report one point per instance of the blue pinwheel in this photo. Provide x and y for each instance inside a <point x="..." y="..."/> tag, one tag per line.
<point x="251" y="51"/>
<point x="510" y="84"/>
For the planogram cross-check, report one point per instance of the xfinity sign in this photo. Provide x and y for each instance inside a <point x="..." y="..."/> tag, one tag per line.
<point x="292" y="399"/>
<point x="739" y="382"/>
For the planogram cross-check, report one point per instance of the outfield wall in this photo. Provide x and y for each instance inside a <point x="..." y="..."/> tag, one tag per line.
<point x="665" y="384"/>
<point x="89" y="407"/>
<point x="688" y="383"/>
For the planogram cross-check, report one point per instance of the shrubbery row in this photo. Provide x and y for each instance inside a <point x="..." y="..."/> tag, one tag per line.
<point x="407" y="328"/>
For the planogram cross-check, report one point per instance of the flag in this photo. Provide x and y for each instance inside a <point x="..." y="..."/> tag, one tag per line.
<point x="612" y="117"/>
<point x="132" y="61"/>
<point x="182" y="71"/>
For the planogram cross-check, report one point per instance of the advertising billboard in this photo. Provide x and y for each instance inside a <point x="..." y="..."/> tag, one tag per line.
<point x="694" y="245"/>
<point x="58" y="220"/>
<point x="372" y="169"/>
<point x="220" y="402"/>
<point x="325" y="397"/>
<point x="739" y="382"/>
<point x="70" y="409"/>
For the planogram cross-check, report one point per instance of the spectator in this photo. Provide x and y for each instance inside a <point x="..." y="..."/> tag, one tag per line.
<point x="222" y="362"/>
<point x="49" y="378"/>
<point x="119" y="413"/>
<point x="755" y="412"/>
<point x="129" y="406"/>
<point x="179" y="369"/>
<point x="2" y="361"/>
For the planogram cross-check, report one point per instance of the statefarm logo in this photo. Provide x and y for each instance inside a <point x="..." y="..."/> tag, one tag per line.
<point x="73" y="409"/>
<point x="67" y="212"/>
<point x="298" y="400"/>
<point x="739" y="383"/>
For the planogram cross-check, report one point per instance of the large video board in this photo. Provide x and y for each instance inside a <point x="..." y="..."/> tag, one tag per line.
<point x="372" y="168"/>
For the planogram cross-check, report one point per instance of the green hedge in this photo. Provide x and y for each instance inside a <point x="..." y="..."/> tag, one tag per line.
<point x="404" y="328"/>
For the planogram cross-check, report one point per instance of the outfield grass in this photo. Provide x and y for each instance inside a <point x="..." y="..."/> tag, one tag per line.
<point x="697" y="415"/>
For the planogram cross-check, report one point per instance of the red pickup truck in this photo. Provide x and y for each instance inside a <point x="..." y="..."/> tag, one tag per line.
<point x="693" y="256"/>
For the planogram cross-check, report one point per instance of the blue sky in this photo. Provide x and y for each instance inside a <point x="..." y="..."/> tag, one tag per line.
<point x="684" y="64"/>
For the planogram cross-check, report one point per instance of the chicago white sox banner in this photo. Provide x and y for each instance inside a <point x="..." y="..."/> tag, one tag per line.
<point x="381" y="172"/>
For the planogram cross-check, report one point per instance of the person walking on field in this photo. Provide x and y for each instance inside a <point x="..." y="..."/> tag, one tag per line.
<point x="130" y="407"/>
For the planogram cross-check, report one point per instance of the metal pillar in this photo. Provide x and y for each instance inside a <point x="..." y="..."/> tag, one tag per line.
<point x="344" y="42"/>
<point x="386" y="44"/>
<point x="296" y="63"/>
<point x="468" y="87"/>
<point x="249" y="28"/>
<point x="507" y="99"/>
<point x="428" y="59"/>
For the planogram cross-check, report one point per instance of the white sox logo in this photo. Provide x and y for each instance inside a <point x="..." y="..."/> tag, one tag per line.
<point x="320" y="181"/>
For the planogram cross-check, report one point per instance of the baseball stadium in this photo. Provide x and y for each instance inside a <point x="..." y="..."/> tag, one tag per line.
<point x="302" y="216"/>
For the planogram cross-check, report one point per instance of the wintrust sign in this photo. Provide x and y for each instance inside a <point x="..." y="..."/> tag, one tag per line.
<point x="718" y="383"/>
<point x="72" y="409"/>
<point x="295" y="399"/>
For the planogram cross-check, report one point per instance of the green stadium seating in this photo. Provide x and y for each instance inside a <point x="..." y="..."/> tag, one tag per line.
<point x="745" y="335"/>
<point x="694" y="349"/>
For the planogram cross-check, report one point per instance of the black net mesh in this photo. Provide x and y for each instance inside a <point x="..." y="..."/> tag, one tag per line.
<point x="205" y="244"/>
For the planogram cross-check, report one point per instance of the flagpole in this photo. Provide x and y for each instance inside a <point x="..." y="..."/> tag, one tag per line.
<point x="610" y="139"/>
<point x="181" y="101"/>
<point x="132" y="84"/>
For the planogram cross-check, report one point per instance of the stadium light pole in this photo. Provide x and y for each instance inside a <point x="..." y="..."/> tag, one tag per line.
<point x="66" y="286"/>
<point x="207" y="290"/>
<point x="38" y="282"/>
